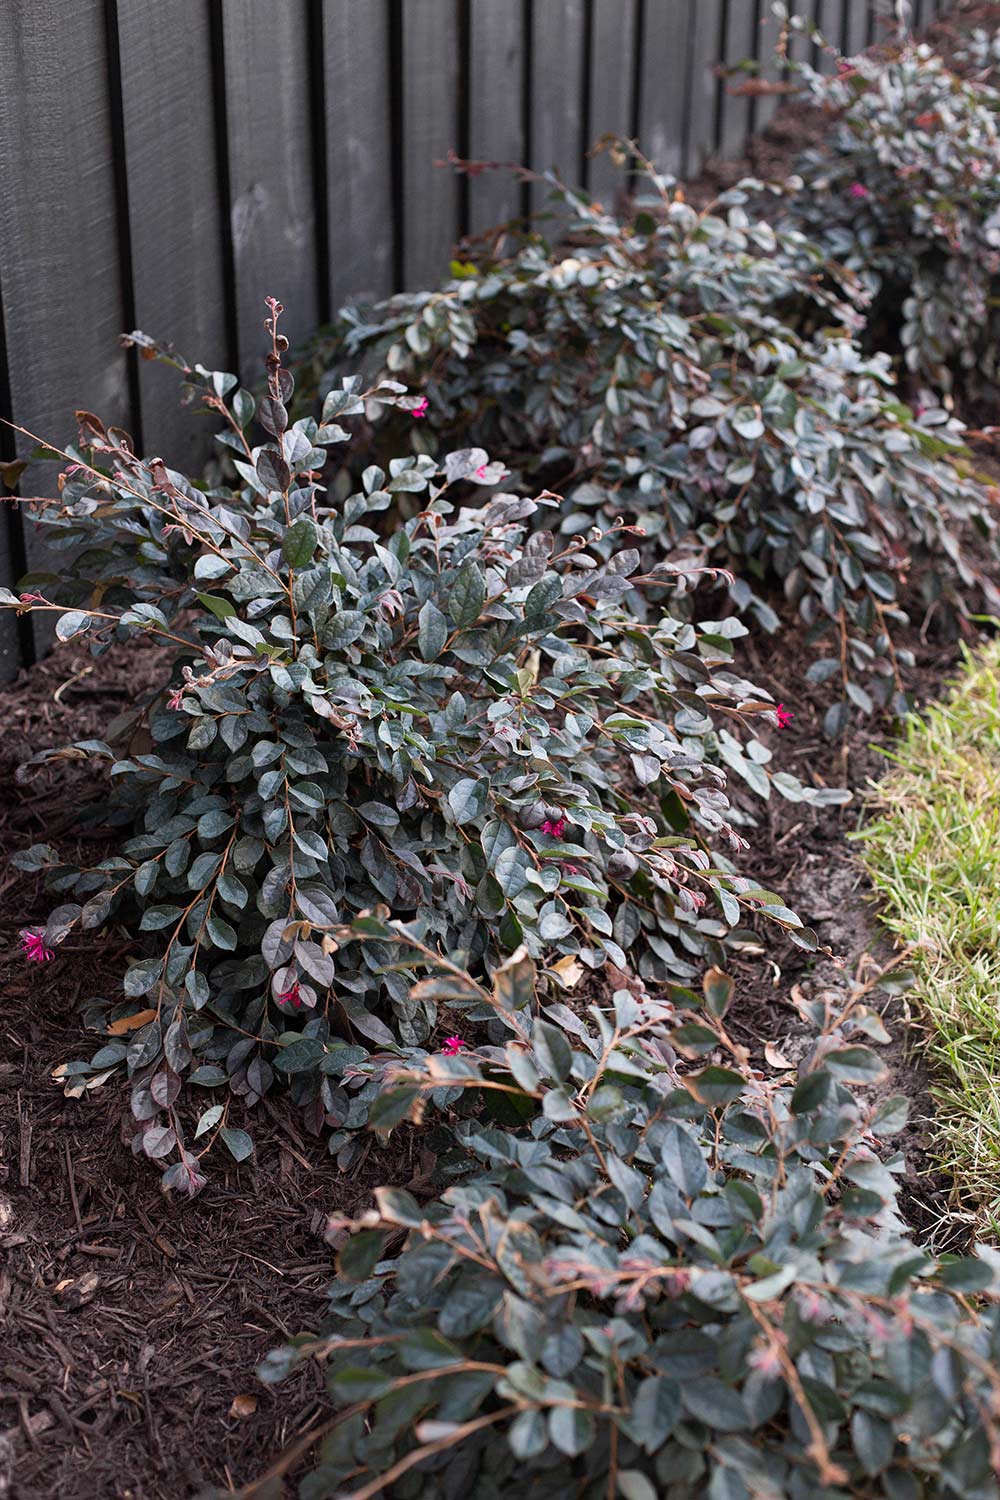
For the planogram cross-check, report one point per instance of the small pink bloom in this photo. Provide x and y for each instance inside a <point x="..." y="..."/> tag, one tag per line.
<point x="32" y="598"/>
<point x="33" y="947"/>
<point x="291" y="997"/>
<point x="453" y="1045"/>
<point x="481" y="472"/>
<point x="765" y="1359"/>
<point x="783" y="716"/>
<point x="858" y="190"/>
<point x="844" y="69"/>
<point x="811" y="1306"/>
<point x="174" y="701"/>
<point x="569" y="869"/>
<point x="420" y="410"/>
<point x="556" y="827"/>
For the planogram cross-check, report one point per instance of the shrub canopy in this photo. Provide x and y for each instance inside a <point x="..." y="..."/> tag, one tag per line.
<point x="695" y="373"/>
<point x="452" y="713"/>
<point x="905" y="191"/>
<point x="672" y="1280"/>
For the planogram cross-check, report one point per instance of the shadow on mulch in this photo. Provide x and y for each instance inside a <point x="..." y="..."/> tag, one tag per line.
<point x="129" y="1321"/>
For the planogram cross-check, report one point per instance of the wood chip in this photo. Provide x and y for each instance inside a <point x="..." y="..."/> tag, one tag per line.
<point x="77" y="1290"/>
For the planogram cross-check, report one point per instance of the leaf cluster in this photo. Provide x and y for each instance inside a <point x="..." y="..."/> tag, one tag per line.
<point x="905" y="191"/>
<point x="675" y="1278"/>
<point x="697" y="373"/>
<point x="413" y="695"/>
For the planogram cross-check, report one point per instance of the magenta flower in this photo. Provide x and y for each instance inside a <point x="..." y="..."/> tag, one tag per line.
<point x="858" y="190"/>
<point x="570" y="869"/>
<point x="33" y="946"/>
<point x="420" y="410"/>
<point x="556" y="827"/>
<point x="481" y="472"/>
<point x="31" y="598"/>
<point x="291" y="998"/>
<point x="174" y="701"/>
<point x="453" y="1045"/>
<point x="783" y="716"/>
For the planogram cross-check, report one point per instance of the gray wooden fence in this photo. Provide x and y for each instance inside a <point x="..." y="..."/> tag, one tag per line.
<point x="168" y="163"/>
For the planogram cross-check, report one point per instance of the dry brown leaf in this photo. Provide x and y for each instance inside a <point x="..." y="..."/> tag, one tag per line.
<point x="131" y="1023"/>
<point x="570" y="971"/>
<point x="243" y="1406"/>
<point x="775" y="1058"/>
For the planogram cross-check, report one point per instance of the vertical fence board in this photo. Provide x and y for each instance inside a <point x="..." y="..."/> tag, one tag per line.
<point x="356" y="61"/>
<point x="430" y="130"/>
<point x="11" y="537"/>
<point x="855" y="27"/>
<point x="270" y="165"/>
<point x="771" y="66"/>
<point x="174" y="208"/>
<point x="496" y="79"/>
<point x="557" y="42"/>
<point x="664" y="87"/>
<point x="707" y="22"/>
<point x="10" y="650"/>
<point x="612" y="69"/>
<point x="741" y="39"/>
<point x="59" y="268"/>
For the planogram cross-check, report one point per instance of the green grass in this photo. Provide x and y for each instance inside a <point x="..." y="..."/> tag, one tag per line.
<point x="934" y="858"/>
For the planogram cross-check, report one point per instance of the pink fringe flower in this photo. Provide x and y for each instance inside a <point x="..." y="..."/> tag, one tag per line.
<point x="33" y="947"/>
<point x="783" y="716"/>
<point x="858" y="190"/>
<point x="555" y="827"/>
<point x="420" y="410"/>
<point x="291" y="997"/>
<point x="453" y="1045"/>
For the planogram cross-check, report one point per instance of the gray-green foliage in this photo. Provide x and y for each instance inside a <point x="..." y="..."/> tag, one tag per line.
<point x="697" y="373"/>
<point x="453" y="713"/>
<point x="676" y="1278"/>
<point x="905" y="191"/>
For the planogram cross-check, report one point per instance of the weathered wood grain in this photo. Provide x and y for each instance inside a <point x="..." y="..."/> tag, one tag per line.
<point x="359" y="188"/>
<point x="272" y="210"/>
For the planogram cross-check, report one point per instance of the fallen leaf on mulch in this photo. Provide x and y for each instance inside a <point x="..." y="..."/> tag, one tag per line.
<point x="131" y="1023"/>
<point x="243" y="1406"/>
<point x="774" y="1058"/>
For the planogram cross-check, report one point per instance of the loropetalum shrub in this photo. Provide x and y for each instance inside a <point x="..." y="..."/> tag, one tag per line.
<point x="454" y="714"/>
<point x="905" y="190"/>
<point x="690" y="371"/>
<point x="670" y="1280"/>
